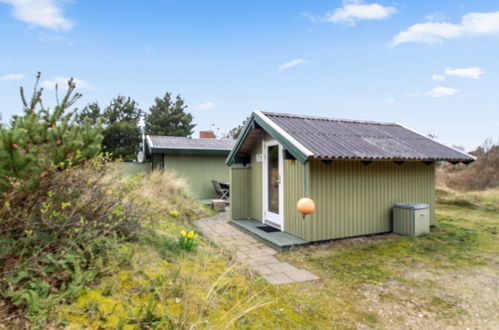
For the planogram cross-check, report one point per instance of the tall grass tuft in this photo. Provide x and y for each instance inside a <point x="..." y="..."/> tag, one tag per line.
<point x="487" y="200"/>
<point x="162" y="191"/>
<point x="198" y="291"/>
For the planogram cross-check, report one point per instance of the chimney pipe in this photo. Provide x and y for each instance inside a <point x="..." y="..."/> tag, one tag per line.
<point x="207" y="135"/>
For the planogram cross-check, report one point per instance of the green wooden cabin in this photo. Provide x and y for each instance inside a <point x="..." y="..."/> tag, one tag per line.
<point x="198" y="161"/>
<point x="354" y="171"/>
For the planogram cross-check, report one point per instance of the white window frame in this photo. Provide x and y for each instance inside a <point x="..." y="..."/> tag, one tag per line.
<point x="270" y="218"/>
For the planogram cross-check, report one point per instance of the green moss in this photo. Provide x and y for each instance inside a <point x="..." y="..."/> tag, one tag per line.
<point x="160" y="287"/>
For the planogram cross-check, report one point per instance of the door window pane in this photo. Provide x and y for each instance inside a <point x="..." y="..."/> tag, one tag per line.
<point x="273" y="179"/>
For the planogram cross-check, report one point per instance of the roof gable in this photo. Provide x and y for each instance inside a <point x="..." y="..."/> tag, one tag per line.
<point x="259" y="121"/>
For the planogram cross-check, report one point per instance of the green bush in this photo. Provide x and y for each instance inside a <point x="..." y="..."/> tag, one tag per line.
<point x="58" y="228"/>
<point x="61" y="237"/>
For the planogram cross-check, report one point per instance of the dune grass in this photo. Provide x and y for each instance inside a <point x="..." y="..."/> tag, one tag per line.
<point x="154" y="284"/>
<point x="487" y="200"/>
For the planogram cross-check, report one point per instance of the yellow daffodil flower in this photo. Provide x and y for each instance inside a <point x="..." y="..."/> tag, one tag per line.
<point x="191" y="234"/>
<point x="183" y="233"/>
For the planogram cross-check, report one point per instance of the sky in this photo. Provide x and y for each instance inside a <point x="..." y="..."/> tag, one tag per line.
<point x="430" y="65"/>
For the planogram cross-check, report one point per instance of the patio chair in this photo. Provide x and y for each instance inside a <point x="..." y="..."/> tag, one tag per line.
<point x="222" y="191"/>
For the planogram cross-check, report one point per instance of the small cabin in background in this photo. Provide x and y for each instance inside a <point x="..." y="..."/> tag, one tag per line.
<point x="198" y="161"/>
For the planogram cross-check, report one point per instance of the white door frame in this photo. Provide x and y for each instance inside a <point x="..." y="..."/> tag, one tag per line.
<point x="273" y="219"/>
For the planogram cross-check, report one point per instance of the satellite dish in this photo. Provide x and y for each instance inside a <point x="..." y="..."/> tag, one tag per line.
<point x="140" y="156"/>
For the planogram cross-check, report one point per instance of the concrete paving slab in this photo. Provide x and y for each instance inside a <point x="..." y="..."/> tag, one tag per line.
<point x="259" y="257"/>
<point x="277" y="278"/>
<point x="301" y="275"/>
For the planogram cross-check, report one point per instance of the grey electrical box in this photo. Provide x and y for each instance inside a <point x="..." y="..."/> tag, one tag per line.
<point x="411" y="219"/>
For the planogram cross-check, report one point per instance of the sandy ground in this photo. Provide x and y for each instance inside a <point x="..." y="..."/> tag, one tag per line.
<point x="441" y="299"/>
<point x="427" y="298"/>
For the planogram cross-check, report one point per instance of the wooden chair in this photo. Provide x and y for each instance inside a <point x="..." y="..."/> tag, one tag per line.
<point x="222" y="192"/>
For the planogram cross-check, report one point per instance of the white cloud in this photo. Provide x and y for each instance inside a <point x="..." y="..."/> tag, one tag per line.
<point x="472" y="24"/>
<point x="442" y="91"/>
<point x="438" y="77"/>
<point x="311" y="17"/>
<point x="208" y="105"/>
<point x="473" y="72"/>
<point x="357" y="10"/>
<point x="12" y="76"/>
<point x="62" y="83"/>
<point x="44" y="13"/>
<point x="389" y="100"/>
<point x="44" y="37"/>
<point x="291" y="64"/>
<point x="435" y="17"/>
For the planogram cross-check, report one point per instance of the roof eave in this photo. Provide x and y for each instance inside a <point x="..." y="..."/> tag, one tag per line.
<point x="190" y="151"/>
<point x="398" y="159"/>
<point x="464" y="159"/>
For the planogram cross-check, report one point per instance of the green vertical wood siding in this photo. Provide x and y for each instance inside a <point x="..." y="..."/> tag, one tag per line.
<point x="353" y="199"/>
<point x="240" y="193"/>
<point x="198" y="171"/>
<point x="294" y="190"/>
<point x="249" y="197"/>
<point x="132" y="168"/>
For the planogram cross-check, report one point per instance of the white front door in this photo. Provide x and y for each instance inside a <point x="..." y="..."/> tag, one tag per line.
<point x="272" y="184"/>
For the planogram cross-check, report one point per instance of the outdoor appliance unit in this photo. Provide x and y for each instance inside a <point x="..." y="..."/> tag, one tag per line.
<point x="411" y="219"/>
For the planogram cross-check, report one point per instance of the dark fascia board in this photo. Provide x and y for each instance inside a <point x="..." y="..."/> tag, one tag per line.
<point x="290" y="147"/>
<point x="414" y="160"/>
<point x="189" y="151"/>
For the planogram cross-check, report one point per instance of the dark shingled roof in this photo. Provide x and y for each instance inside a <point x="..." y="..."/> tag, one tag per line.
<point x="351" y="139"/>
<point x="182" y="143"/>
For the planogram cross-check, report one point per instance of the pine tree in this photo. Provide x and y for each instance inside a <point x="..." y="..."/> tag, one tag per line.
<point x="235" y="132"/>
<point x="168" y="117"/>
<point x="42" y="139"/>
<point x="122" y="134"/>
<point x="90" y="112"/>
